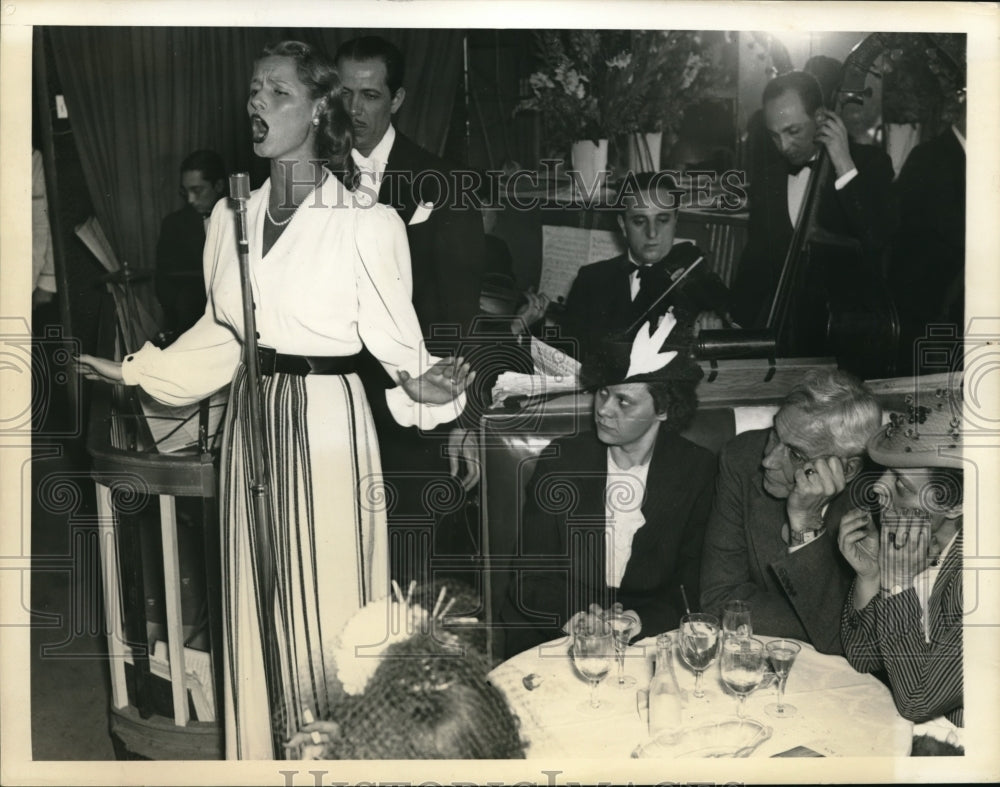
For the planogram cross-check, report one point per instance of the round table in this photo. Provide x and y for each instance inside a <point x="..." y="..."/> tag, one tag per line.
<point x="841" y="713"/>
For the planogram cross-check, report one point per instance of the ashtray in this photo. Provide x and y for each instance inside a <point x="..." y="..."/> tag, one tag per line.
<point x="724" y="738"/>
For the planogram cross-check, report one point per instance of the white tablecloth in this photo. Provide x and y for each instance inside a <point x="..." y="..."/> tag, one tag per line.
<point x="841" y="713"/>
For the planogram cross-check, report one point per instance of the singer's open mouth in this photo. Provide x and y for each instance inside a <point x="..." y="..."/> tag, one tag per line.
<point x="258" y="128"/>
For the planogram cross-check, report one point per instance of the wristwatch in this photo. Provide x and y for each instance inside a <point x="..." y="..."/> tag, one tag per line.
<point x="796" y="539"/>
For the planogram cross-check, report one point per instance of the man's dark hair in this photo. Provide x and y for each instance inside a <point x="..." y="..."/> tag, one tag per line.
<point x="207" y="162"/>
<point x="676" y="398"/>
<point x="805" y="85"/>
<point x="636" y="184"/>
<point x="370" y="48"/>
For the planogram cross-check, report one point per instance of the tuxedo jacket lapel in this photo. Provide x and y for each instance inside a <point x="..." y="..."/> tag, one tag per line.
<point x="396" y="188"/>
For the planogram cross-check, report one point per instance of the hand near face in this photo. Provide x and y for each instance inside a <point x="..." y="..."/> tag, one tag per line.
<point x="832" y="134"/>
<point x="817" y="482"/>
<point x="440" y="384"/>
<point x="858" y="539"/>
<point x="904" y="547"/>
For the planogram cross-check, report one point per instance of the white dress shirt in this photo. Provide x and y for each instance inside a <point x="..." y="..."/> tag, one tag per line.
<point x="372" y="167"/>
<point x="624" y="493"/>
<point x="797" y="185"/>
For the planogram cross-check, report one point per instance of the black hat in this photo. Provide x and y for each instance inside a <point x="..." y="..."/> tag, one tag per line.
<point x="648" y="358"/>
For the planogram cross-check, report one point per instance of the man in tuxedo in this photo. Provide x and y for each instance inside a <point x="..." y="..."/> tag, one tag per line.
<point x="772" y="535"/>
<point x="616" y="515"/>
<point x="927" y="271"/>
<point x="608" y="297"/>
<point x="855" y="201"/>
<point x="180" y="285"/>
<point x="447" y="255"/>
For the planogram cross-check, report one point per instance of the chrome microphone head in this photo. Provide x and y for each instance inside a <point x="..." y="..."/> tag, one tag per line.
<point x="239" y="186"/>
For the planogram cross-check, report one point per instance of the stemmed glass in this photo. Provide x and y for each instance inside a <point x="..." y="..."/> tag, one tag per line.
<point x="736" y="619"/>
<point x="699" y="639"/>
<point x="592" y="651"/>
<point x="782" y="653"/>
<point x="623" y="628"/>
<point x="743" y="665"/>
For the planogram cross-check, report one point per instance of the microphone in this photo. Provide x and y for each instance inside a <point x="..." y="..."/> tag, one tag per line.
<point x="239" y="190"/>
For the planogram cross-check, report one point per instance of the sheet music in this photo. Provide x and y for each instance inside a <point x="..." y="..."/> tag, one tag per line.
<point x="566" y="249"/>
<point x="176" y="428"/>
<point x="553" y="362"/>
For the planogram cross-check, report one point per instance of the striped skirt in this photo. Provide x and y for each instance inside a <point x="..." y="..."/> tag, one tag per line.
<point x="328" y="531"/>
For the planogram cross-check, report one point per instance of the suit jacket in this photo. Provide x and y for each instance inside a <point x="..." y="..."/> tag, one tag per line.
<point x="566" y="542"/>
<point x="180" y="281"/>
<point x="600" y="304"/>
<point x="448" y="250"/>
<point x="925" y="677"/>
<point x="799" y="594"/>
<point x="447" y="257"/>
<point x="864" y="209"/>
<point x="927" y="273"/>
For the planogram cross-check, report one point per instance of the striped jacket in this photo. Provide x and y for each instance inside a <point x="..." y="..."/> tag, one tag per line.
<point x="888" y="634"/>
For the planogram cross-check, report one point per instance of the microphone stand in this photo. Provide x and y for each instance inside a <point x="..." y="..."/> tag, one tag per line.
<point x="260" y="514"/>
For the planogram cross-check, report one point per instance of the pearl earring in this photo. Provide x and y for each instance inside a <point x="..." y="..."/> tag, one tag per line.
<point x="315" y="121"/>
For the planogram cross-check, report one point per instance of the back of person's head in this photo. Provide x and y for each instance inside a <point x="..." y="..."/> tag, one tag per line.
<point x="376" y="48"/>
<point x="207" y="162"/>
<point x="806" y="86"/>
<point x="334" y="138"/>
<point x="427" y="700"/>
<point x="845" y="412"/>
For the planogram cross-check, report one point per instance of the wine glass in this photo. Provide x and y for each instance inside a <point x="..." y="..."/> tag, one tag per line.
<point x="623" y="627"/>
<point x="736" y="619"/>
<point x="782" y="653"/>
<point x="699" y="639"/>
<point x="743" y="663"/>
<point x="592" y="651"/>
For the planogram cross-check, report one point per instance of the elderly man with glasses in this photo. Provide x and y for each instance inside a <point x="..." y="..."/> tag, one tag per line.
<point x="781" y="492"/>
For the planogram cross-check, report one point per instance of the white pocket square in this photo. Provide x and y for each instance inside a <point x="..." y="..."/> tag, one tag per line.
<point x="422" y="212"/>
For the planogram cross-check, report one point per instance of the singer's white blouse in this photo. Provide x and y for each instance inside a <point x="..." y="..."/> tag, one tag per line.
<point x="338" y="276"/>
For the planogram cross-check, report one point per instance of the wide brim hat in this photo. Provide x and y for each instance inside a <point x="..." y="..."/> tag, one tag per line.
<point x="648" y="358"/>
<point x="927" y="434"/>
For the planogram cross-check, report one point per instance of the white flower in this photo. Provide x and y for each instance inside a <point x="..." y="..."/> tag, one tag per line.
<point x="540" y="80"/>
<point x="622" y="60"/>
<point x="368" y="634"/>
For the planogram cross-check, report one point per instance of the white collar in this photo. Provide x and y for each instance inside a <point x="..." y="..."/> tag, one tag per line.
<point x="380" y="153"/>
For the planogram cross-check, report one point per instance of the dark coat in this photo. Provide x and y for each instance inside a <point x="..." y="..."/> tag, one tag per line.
<point x="447" y="255"/>
<point x="792" y="594"/>
<point x="180" y="278"/>
<point x="927" y="273"/>
<point x="600" y="305"/>
<point x="864" y="210"/>
<point x="563" y="535"/>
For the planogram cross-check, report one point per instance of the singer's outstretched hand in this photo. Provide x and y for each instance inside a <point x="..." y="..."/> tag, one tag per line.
<point x="99" y="369"/>
<point x="442" y="383"/>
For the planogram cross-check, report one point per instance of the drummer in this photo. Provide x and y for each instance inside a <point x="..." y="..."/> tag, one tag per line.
<point x="904" y="612"/>
<point x="617" y="515"/>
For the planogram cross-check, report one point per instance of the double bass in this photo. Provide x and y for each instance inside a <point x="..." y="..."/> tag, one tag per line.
<point x="831" y="297"/>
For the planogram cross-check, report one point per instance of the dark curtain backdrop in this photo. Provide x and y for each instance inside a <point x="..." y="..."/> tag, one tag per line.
<point x="141" y="99"/>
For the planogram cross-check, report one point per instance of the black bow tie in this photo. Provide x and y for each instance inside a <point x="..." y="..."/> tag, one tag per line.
<point x="795" y="169"/>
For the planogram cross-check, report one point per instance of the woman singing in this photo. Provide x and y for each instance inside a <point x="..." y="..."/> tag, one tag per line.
<point x="328" y="274"/>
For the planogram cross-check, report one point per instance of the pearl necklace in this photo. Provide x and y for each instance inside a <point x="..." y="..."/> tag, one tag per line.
<point x="267" y="210"/>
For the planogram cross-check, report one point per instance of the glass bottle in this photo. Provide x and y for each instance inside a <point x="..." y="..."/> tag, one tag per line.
<point x="665" y="701"/>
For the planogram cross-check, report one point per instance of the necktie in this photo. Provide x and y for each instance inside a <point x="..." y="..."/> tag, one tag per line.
<point x="795" y="169"/>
